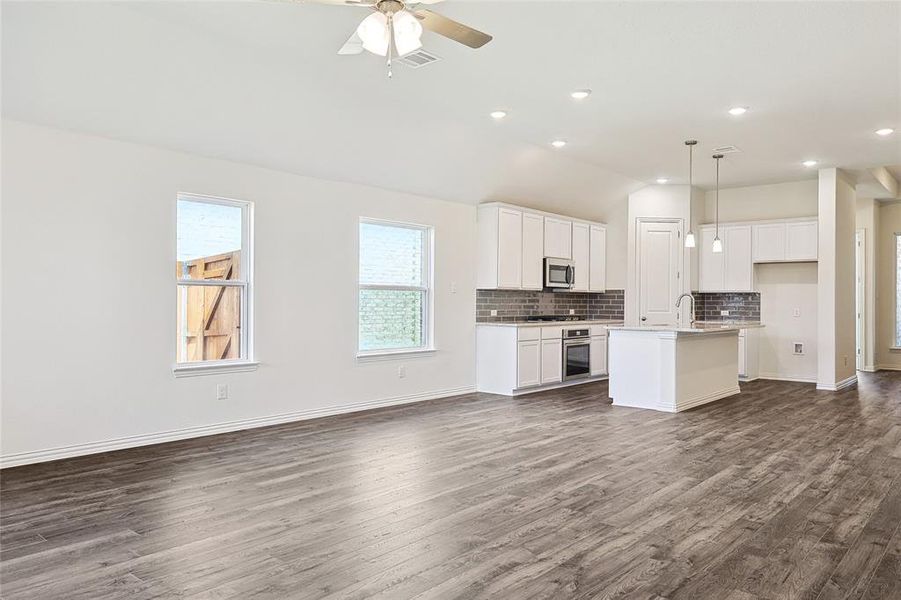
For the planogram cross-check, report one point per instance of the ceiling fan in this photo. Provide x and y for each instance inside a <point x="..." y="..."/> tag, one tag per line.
<point x="395" y="27"/>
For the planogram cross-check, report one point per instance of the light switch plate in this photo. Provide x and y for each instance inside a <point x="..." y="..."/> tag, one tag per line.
<point x="796" y="312"/>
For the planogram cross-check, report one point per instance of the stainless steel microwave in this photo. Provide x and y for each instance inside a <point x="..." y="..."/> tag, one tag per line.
<point x="559" y="273"/>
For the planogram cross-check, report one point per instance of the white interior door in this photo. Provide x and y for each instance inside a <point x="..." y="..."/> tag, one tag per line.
<point x="860" y="295"/>
<point x="659" y="258"/>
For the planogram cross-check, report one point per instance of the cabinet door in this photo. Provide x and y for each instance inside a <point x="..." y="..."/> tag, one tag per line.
<point x="711" y="272"/>
<point x="598" y="355"/>
<point x="739" y="267"/>
<point x="532" y="251"/>
<point x="528" y="364"/>
<point x="742" y="357"/>
<point x="580" y="256"/>
<point x="557" y="238"/>
<point x="597" y="260"/>
<point x="509" y="248"/>
<point x="551" y="361"/>
<point x="801" y="241"/>
<point x="769" y="242"/>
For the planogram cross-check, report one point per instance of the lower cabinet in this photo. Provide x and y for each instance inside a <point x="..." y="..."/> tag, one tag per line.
<point x="551" y="361"/>
<point x="528" y="364"/>
<point x="598" y="355"/>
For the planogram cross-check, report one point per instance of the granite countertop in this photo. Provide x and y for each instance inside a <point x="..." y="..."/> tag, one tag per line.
<point x="697" y="327"/>
<point x="550" y="323"/>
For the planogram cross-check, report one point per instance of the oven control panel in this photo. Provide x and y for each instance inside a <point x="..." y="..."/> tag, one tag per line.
<point x="575" y="333"/>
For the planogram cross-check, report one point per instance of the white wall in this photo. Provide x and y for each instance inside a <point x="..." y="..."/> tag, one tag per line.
<point x="783" y="289"/>
<point x="837" y="212"/>
<point x="760" y="202"/>
<point x="889" y="223"/>
<point x="88" y="295"/>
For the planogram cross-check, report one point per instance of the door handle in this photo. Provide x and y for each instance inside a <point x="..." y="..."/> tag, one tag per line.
<point x="570" y="275"/>
<point x="644" y="318"/>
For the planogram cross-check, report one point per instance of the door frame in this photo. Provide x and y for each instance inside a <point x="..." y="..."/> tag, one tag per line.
<point x="638" y="249"/>
<point x="860" y="297"/>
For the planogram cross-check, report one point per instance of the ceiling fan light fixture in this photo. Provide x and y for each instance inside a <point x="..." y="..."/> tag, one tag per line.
<point x="581" y="94"/>
<point x="373" y="31"/>
<point x="407" y="32"/>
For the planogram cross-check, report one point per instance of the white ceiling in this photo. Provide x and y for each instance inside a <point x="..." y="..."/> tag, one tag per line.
<point x="260" y="82"/>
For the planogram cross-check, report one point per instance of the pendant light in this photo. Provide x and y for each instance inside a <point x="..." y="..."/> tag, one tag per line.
<point x="690" y="236"/>
<point x="717" y="242"/>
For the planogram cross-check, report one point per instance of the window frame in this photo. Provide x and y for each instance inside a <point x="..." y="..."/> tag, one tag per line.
<point x="428" y="304"/>
<point x="247" y="361"/>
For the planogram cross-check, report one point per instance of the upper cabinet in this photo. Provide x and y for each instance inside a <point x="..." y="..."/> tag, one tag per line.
<point x="558" y="237"/>
<point x="580" y="248"/>
<point x="532" y="251"/>
<point x="514" y="241"/>
<point x="597" y="263"/>
<point x="785" y="241"/>
<point x="732" y="270"/>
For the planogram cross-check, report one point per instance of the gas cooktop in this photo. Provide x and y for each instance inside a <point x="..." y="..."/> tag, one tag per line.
<point x="556" y="318"/>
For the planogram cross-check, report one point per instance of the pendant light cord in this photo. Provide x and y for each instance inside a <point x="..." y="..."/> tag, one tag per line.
<point x="718" y="196"/>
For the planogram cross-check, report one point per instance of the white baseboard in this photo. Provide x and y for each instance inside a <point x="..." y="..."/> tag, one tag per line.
<point x="838" y="386"/>
<point x="888" y="368"/>
<point x="712" y="397"/>
<point x="775" y="377"/>
<point x="37" y="456"/>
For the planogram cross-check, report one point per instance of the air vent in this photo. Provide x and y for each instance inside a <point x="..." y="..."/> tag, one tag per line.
<point x="418" y="58"/>
<point x="726" y="150"/>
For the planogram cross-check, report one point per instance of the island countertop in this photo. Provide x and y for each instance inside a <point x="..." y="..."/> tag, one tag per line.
<point x="607" y="322"/>
<point x="699" y="327"/>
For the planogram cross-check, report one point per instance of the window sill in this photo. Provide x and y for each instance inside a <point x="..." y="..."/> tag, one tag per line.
<point x="218" y="368"/>
<point x="389" y="354"/>
<point x="894" y="348"/>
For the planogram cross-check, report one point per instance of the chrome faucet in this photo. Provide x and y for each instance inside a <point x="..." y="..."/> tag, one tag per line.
<point x="679" y="305"/>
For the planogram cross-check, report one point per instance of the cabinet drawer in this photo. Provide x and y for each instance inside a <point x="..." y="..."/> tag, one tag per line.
<point x="551" y="333"/>
<point x="597" y="330"/>
<point x="525" y="334"/>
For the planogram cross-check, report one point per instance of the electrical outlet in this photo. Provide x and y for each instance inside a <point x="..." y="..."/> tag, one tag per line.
<point x="799" y="348"/>
<point x="493" y="313"/>
<point x="402" y="371"/>
<point x="724" y="313"/>
<point x="572" y="311"/>
<point x="453" y="287"/>
<point x="796" y="312"/>
<point x="222" y="391"/>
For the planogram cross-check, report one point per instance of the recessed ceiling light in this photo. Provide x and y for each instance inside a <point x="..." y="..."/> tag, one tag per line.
<point x="558" y="143"/>
<point x="581" y="94"/>
<point x="809" y="163"/>
<point x="885" y="131"/>
<point x="738" y="110"/>
<point x="498" y="114"/>
<point x="662" y="180"/>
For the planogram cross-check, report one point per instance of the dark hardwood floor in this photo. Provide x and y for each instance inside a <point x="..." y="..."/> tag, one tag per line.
<point x="781" y="492"/>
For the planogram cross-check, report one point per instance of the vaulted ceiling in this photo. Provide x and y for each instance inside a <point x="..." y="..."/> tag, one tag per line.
<point x="259" y="82"/>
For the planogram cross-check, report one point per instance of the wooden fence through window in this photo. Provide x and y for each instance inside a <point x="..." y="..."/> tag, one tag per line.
<point x="209" y="317"/>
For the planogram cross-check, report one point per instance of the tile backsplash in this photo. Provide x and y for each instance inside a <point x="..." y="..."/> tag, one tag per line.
<point x="516" y="305"/>
<point x="741" y="306"/>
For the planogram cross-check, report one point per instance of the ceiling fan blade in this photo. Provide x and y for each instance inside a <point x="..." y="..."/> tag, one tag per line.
<point x="452" y="29"/>
<point x="367" y="3"/>
<point x="353" y="45"/>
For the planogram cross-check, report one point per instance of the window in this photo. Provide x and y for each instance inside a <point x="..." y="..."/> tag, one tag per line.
<point x="395" y="292"/>
<point x="213" y="282"/>
<point x="898" y="290"/>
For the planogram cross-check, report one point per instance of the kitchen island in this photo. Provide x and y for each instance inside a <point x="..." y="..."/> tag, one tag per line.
<point x="672" y="369"/>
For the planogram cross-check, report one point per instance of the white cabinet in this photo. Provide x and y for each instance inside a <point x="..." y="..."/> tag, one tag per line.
<point x="738" y="268"/>
<point x="711" y="276"/>
<point x="786" y="241"/>
<point x="551" y="361"/>
<point x="581" y="253"/>
<point x="598" y="359"/>
<point x="801" y="241"/>
<point x="528" y="363"/>
<point x="597" y="260"/>
<point x="532" y="251"/>
<point x="769" y="242"/>
<point x="557" y="238"/>
<point x="509" y="248"/>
